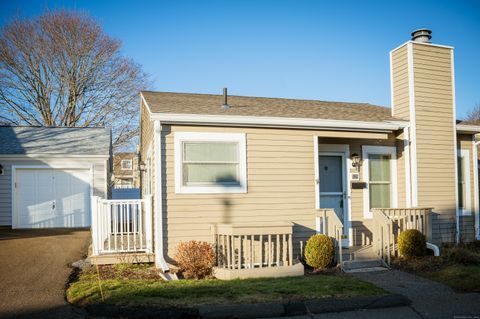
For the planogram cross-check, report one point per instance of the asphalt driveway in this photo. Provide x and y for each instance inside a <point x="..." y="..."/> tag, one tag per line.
<point x="34" y="268"/>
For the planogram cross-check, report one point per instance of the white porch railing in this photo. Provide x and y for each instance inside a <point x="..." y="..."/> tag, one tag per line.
<point x="388" y="223"/>
<point x="121" y="226"/>
<point x="328" y="223"/>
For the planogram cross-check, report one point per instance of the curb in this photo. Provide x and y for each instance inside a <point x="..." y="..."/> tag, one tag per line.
<point x="250" y="311"/>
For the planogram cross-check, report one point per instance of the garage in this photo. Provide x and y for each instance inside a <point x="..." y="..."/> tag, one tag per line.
<point x="49" y="174"/>
<point x="51" y="198"/>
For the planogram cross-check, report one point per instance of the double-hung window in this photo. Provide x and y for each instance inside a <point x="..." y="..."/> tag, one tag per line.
<point x="210" y="163"/>
<point x="380" y="173"/>
<point x="126" y="164"/>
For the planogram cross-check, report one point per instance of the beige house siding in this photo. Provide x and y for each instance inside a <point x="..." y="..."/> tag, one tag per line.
<point x="400" y="92"/>
<point x="467" y="223"/>
<point x="436" y="155"/>
<point x="281" y="186"/>
<point x="146" y="143"/>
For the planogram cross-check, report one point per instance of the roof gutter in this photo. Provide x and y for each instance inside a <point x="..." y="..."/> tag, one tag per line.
<point x="465" y="128"/>
<point x="158" y="216"/>
<point x="278" y="122"/>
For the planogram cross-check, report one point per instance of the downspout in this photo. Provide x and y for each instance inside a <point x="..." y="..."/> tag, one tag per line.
<point x="475" y="188"/>
<point x="158" y="200"/>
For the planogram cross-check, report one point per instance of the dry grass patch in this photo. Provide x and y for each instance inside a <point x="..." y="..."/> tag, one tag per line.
<point x="137" y="285"/>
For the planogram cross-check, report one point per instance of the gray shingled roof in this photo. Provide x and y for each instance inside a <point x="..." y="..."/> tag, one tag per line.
<point x="209" y="104"/>
<point x="54" y="140"/>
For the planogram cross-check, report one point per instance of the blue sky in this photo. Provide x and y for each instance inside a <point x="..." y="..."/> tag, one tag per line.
<point x="327" y="50"/>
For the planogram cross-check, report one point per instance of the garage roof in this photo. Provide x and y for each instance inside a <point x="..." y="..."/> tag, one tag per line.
<point x="18" y="140"/>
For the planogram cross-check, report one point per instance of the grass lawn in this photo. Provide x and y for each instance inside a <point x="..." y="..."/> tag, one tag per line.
<point x="464" y="278"/>
<point x="126" y="290"/>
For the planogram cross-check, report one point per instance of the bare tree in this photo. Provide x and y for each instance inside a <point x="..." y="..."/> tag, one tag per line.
<point x="474" y="114"/>
<point x="61" y="69"/>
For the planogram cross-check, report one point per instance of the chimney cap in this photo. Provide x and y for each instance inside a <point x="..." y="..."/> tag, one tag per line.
<point x="422" y="35"/>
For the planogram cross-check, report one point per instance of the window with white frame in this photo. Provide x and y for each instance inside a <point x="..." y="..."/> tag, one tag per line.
<point x="210" y="162"/>
<point x="380" y="173"/>
<point x="124" y="183"/>
<point x="126" y="164"/>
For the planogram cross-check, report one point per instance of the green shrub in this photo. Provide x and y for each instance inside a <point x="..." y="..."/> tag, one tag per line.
<point x="461" y="255"/>
<point x="195" y="259"/>
<point x="319" y="252"/>
<point x="411" y="243"/>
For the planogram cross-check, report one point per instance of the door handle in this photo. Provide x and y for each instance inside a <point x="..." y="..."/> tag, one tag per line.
<point x="53" y="205"/>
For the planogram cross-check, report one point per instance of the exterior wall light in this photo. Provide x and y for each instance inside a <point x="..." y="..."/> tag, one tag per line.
<point x="356" y="161"/>
<point x="2" y="171"/>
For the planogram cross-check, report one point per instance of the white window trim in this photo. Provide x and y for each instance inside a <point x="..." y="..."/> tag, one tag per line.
<point x="467" y="210"/>
<point x="126" y="160"/>
<point x="181" y="137"/>
<point x="381" y="150"/>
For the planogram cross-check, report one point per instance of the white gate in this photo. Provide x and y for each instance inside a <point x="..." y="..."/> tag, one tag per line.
<point x="121" y="226"/>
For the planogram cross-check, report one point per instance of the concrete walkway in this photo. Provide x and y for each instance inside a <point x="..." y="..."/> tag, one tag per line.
<point x="429" y="299"/>
<point x="34" y="270"/>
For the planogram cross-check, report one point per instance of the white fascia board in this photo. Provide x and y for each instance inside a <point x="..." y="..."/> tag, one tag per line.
<point x="34" y="156"/>
<point x="146" y="104"/>
<point x="278" y="122"/>
<point x="422" y="43"/>
<point x="465" y="128"/>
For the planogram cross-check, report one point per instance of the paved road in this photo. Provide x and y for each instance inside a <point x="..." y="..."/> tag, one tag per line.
<point x="385" y="313"/>
<point x="34" y="270"/>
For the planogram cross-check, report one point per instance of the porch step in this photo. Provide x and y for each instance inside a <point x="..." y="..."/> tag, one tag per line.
<point x="358" y="253"/>
<point x="364" y="265"/>
<point x="121" y="258"/>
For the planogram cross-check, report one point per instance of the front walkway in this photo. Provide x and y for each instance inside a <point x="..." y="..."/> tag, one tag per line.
<point x="34" y="270"/>
<point x="429" y="299"/>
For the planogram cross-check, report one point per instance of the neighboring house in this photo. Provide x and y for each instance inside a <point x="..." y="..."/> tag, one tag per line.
<point x="126" y="173"/>
<point x="47" y="175"/>
<point x="247" y="173"/>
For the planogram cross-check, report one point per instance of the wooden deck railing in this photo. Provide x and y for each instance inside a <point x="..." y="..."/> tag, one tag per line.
<point x="388" y="223"/>
<point x="243" y="246"/>
<point x="328" y="223"/>
<point x="383" y="237"/>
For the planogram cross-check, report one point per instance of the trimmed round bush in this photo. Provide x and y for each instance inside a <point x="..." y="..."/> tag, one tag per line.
<point x="319" y="252"/>
<point x="195" y="259"/>
<point x="411" y="243"/>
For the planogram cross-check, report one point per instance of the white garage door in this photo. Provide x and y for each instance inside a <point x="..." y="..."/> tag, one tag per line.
<point x="46" y="198"/>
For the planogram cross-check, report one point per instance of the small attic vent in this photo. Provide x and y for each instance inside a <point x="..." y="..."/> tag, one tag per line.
<point x="225" y="99"/>
<point x="422" y="35"/>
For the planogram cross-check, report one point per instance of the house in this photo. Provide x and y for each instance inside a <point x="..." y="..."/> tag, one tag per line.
<point x="47" y="175"/>
<point x="125" y="170"/>
<point x="258" y="176"/>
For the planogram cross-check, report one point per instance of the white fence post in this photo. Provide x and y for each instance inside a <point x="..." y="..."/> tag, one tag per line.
<point x="95" y="225"/>
<point x="148" y="223"/>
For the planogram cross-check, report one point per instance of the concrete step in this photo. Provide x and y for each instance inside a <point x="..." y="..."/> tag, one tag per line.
<point x="359" y="264"/>
<point x="368" y="269"/>
<point x="358" y="253"/>
<point x="120" y="258"/>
